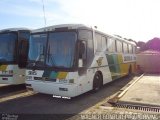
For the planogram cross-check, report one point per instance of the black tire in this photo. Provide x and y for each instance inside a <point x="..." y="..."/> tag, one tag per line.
<point x="97" y="82"/>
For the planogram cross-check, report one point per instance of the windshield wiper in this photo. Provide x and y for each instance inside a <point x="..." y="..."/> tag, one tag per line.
<point x="35" y="63"/>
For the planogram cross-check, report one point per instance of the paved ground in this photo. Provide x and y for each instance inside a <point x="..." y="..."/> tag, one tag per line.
<point x="46" y="104"/>
<point x="86" y="106"/>
<point x="41" y="103"/>
<point x="5" y="90"/>
<point x="145" y="91"/>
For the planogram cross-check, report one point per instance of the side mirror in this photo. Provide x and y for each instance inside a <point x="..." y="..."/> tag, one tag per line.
<point x="82" y="50"/>
<point x="82" y="54"/>
<point x="22" y="53"/>
<point x="81" y="47"/>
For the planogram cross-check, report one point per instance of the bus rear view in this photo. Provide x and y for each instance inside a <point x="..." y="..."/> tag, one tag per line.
<point x="13" y="55"/>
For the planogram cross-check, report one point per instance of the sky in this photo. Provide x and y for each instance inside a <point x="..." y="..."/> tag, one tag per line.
<point x="133" y="19"/>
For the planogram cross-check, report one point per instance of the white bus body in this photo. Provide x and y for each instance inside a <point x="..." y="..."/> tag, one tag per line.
<point x="68" y="60"/>
<point x="13" y="55"/>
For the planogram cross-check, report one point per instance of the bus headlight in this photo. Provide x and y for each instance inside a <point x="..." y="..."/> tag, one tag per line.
<point x="71" y="81"/>
<point x="10" y="72"/>
<point x="63" y="89"/>
<point x="63" y="81"/>
<point x="28" y="77"/>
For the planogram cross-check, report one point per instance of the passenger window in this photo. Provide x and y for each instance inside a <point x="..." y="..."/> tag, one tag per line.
<point x="98" y="38"/>
<point x="104" y="44"/>
<point x="88" y="37"/>
<point x="85" y="35"/>
<point x="134" y="49"/>
<point x="130" y="48"/>
<point x="119" y="46"/>
<point x="125" y="47"/>
<point x="111" y="45"/>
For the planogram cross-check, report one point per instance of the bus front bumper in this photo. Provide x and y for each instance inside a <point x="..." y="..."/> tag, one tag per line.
<point x="55" y="89"/>
<point x="6" y="80"/>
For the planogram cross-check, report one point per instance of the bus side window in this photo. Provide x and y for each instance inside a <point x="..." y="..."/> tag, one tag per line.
<point x="104" y="44"/>
<point x="101" y="42"/>
<point x="87" y="36"/>
<point x="134" y="49"/>
<point x="122" y="48"/>
<point x="125" y="47"/>
<point x="119" y="46"/>
<point x="106" y="38"/>
<point x="130" y="48"/>
<point x="98" y="38"/>
<point x="111" y="45"/>
<point x="84" y="34"/>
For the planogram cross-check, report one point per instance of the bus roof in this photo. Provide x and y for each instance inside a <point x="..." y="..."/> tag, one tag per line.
<point x="125" y="40"/>
<point x="13" y="29"/>
<point x="52" y="28"/>
<point x="78" y="26"/>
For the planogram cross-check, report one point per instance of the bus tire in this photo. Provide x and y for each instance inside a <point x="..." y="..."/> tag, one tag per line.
<point x="97" y="82"/>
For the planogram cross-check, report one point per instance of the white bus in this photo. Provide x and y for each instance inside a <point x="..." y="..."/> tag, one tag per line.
<point x="71" y="59"/>
<point x="13" y="55"/>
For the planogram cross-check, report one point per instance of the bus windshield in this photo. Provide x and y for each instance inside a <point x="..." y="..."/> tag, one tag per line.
<point x="7" y="47"/>
<point x="37" y="47"/>
<point x="61" y="51"/>
<point x="54" y="50"/>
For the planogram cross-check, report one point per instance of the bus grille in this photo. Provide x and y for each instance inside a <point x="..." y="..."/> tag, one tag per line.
<point x="44" y="79"/>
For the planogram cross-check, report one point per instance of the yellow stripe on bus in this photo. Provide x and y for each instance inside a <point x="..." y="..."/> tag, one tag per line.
<point x="120" y="58"/>
<point x="62" y="75"/>
<point x="3" y="67"/>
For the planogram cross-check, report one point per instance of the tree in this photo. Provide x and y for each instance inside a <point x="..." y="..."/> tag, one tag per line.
<point x="153" y="44"/>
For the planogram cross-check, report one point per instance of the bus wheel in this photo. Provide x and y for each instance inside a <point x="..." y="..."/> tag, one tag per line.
<point x="97" y="82"/>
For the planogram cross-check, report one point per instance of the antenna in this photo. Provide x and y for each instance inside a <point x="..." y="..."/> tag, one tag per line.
<point x="44" y="13"/>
